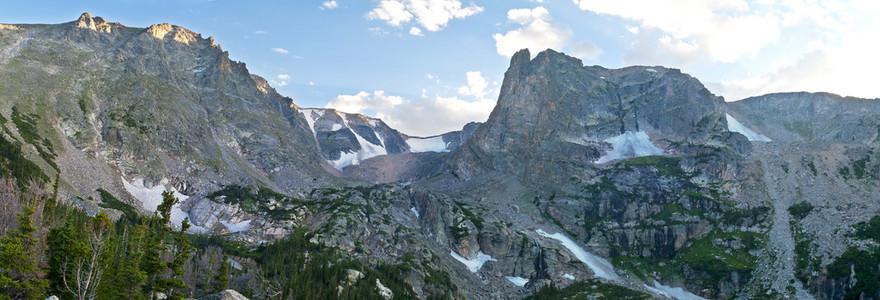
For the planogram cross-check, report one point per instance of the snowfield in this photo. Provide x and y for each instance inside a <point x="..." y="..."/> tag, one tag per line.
<point x="430" y="144"/>
<point x="151" y="197"/>
<point x="518" y="281"/>
<point x="629" y="144"/>
<point x="474" y="264"/>
<point x="735" y="126"/>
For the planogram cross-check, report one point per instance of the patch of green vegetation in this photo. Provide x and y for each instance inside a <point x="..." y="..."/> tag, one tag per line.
<point x="459" y="231"/>
<point x="800" y="210"/>
<point x="438" y="278"/>
<point x="741" y="216"/>
<point x="109" y="201"/>
<point x="844" y="172"/>
<point x="860" y="168"/>
<point x="671" y="209"/>
<point x="860" y="265"/>
<point x="665" y="166"/>
<point x="868" y="230"/>
<point x="15" y="165"/>
<point x="468" y="214"/>
<point x="647" y="268"/>
<point x="718" y="261"/>
<point x="589" y="289"/>
<point x="257" y="200"/>
<point x="27" y="128"/>
<point x="813" y="168"/>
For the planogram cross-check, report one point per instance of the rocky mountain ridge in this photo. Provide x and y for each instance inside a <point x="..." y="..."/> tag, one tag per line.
<point x="635" y="180"/>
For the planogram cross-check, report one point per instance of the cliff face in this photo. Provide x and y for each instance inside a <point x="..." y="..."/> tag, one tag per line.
<point x="161" y="104"/>
<point x="554" y="111"/>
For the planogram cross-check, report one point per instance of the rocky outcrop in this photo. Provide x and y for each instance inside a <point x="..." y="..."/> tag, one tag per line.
<point x="553" y="113"/>
<point x="791" y="117"/>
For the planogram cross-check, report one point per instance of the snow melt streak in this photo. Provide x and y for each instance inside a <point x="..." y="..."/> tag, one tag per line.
<point x="474" y="264"/>
<point x="431" y="144"/>
<point x="735" y="126"/>
<point x="601" y="267"/>
<point x="629" y="144"/>
<point x="677" y="293"/>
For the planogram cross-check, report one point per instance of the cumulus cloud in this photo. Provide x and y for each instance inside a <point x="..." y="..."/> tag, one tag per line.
<point x="283" y="76"/>
<point x="586" y="50"/>
<point x="432" y="15"/>
<point x="712" y="30"/>
<point x="280" y="50"/>
<point x="329" y="4"/>
<point x="416" y="31"/>
<point x="836" y="57"/>
<point x="377" y="101"/>
<point x="424" y="116"/>
<point x="537" y="32"/>
<point x="476" y="85"/>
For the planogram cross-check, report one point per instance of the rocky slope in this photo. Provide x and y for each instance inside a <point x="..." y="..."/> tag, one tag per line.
<point x="634" y="180"/>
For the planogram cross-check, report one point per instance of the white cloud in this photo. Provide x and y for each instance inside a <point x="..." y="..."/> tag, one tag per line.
<point x="712" y="30"/>
<point x="280" y="50"/>
<point x="476" y="85"/>
<point x="586" y="50"/>
<point x="432" y="15"/>
<point x="260" y="32"/>
<point x="392" y="11"/>
<point x="416" y="31"/>
<point x="283" y="76"/>
<point x="537" y="33"/>
<point x="426" y="115"/>
<point x="311" y="83"/>
<point x="329" y="4"/>
<point x="377" y="101"/>
<point x="420" y="117"/>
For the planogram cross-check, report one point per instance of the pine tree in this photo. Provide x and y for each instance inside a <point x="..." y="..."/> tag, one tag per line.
<point x="221" y="279"/>
<point x="20" y="276"/>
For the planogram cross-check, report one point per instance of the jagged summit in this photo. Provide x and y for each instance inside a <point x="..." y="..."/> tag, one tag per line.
<point x="554" y="106"/>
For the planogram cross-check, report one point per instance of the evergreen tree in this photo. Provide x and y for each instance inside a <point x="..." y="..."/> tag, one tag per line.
<point x="20" y="276"/>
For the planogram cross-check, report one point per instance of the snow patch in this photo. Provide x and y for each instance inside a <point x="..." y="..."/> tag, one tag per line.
<point x="235" y="264"/>
<point x="307" y="113"/>
<point x="368" y="150"/>
<point x="237" y="227"/>
<point x="431" y="144"/>
<point x="601" y="267"/>
<point x="629" y="144"/>
<point x="671" y="292"/>
<point x="475" y="263"/>
<point x="336" y="127"/>
<point x="651" y="70"/>
<point x="151" y="197"/>
<point x="568" y="276"/>
<point x="518" y="281"/>
<point x="735" y="126"/>
<point x="415" y="211"/>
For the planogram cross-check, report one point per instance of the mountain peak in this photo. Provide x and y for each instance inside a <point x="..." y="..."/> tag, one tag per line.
<point x="98" y="24"/>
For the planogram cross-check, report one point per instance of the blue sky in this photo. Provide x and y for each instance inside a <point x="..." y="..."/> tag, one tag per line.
<point x="429" y="66"/>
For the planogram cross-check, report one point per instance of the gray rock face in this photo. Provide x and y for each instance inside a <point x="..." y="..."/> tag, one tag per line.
<point x="225" y="295"/>
<point x="791" y="117"/>
<point x="552" y="110"/>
